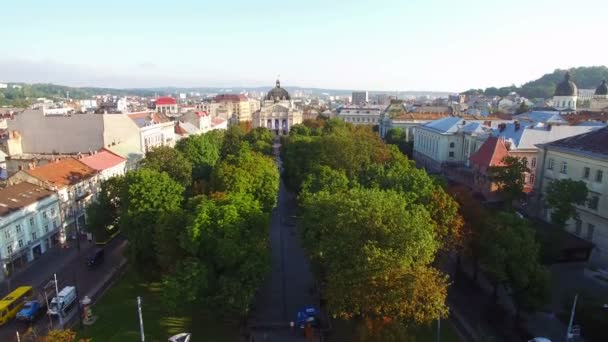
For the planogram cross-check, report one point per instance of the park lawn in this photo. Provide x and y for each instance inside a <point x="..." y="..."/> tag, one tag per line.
<point x="345" y="331"/>
<point x="118" y="318"/>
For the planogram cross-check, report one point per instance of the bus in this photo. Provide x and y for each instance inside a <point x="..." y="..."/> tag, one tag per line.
<point x="12" y="303"/>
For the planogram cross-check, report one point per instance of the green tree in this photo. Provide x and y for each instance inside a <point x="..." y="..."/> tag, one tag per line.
<point x="325" y="179"/>
<point x="103" y="214"/>
<point x="169" y="160"/>
<point x="523" y="108"/>
<point x="233" y="139"/>
<point x="561" y="196"/>
<point x="372" y="249"/>
<point x="511" y="256"/>
<point x="261" y="140"/>
<point x="147" y="194"/>
<point x="203" y="151"/>
<point x="250" y="173"/>
<point x="510" y="178"/>
<point x="186" y="286"/>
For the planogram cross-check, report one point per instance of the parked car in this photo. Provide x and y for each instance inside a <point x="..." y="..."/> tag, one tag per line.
<point x="540" y="339"/>
<point x="63" y="301"/>
<point x="96" y="258"/>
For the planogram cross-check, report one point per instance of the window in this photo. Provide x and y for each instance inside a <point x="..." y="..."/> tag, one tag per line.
<point x="451" y="154"/>
<point x="18" y="228"/>
<point x="564" y="168"/>
<point x="532" y="178"/>
<point x="34" y="236"/>
<point x="578" y="227"/>
<point x="586" y="172"/>
<point x="20" y="243"/>
<point x="52" y="211"/>
<point x="533" y="162"/>
<point x="7" y="233"/>
<point x="599" y="175"/>
<point x="451" y="145"/>
<point x="31" y="221"/>
<point x="590" y="231"/>
<point x="593" y="202"/>
<point x="9" y="249"/>
<point x="46" y="228"/>
<point x="550" y="164"/>
<point x="44" y="214"/>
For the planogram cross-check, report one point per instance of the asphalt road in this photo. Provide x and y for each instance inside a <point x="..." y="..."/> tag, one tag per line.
<point x="287" y="288"/>
<point x="71" y="269"/>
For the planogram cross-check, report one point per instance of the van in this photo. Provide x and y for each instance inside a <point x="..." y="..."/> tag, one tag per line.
<point x="63" y="301"/>
<point x="96" y="258"/>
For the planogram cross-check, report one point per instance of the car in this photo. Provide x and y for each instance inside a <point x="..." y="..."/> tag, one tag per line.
<point x="96" y="258"/>
<point x="540" y="339"/>
<point x="31" y="310"/>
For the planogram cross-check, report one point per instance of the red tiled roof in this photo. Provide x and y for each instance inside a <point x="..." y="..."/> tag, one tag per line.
<point x="179" y="130"/>
<point x="230" y="97"/>
<point x="65" y="172"/>
<point x="201" y="114"/>
<point x="491" y="153"/>
<point x="102" y="160"/>
<point x="217" y="121"/>
<point x="165" y="100"/>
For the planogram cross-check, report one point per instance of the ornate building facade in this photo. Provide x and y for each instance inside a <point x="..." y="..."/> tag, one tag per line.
<point x="277" y="112"/>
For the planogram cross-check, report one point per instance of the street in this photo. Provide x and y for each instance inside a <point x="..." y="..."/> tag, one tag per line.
<point x="71" y="269"/>
<point x="289" y="285"/>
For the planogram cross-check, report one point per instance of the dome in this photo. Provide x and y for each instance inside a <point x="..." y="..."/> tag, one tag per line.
<point x="602" y="89"/>
<point x="278" y="93"/>
<point x="566" y="87"/>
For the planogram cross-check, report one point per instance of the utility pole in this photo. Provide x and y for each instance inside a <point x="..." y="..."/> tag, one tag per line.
<point x="76" y="212"/>
<point x="141" y="320"/>
<point x="59" y="310"/>
<point x="78" y="301"/>
<point x="438" y="329"/>
<point x="569" y="334"/>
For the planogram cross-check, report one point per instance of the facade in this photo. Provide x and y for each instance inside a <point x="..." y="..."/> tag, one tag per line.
<point x="278" y="112"/>
<point x="167" y="105"/>
<point x="360" y="98"/>
<point x="193" y="123"/>
<point x="599" y="101"/>
<point x="566" y="95"/>
<point x="155" y="129"/>
<point x="75" y="183"/>
<point x="107" y="163"/>
<point x="490" y="154"/>
<point x="581" y="158"/>
<point x="361" y="115"/>
<point x="397" y="116"/>
<point x="29" y="224"/>
<point x="236" y="104"/>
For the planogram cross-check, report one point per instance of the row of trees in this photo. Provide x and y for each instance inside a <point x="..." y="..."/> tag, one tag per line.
<point x="198" y="215"/>
<point x="374" y="225"/>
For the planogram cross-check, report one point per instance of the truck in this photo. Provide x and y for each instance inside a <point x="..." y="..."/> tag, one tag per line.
<point x="31" y="310"/>
<point x="62" y="303"/>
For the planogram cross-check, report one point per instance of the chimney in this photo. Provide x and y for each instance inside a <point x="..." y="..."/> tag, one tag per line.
<point x="517" y="126"/>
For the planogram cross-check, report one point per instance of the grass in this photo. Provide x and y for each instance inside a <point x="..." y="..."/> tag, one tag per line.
<point x="346" y="331"/>
<point x="118" y="319"/>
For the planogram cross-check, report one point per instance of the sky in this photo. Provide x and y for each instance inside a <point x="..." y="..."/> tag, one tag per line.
<point x="343" y="44"/>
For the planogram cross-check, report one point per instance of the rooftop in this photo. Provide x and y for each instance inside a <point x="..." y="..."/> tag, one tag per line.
<point x="526" y="136"/>
<point x="102" y="160"/>
<point x="491" y="153"/>
<point x="230" y="98"/>
<point x="165" y="100"/>
<point x="595" y="142"/>
<point x="62" y="173"/>
<point x="15" y="197"/>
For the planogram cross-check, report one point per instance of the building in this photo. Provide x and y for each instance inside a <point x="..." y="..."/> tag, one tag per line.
<point x="237" y="105"/>
<point x="29" y="224"/>
<point x="193" y="123"/>
<point x="107" y="163"/>
<point x="360" y="98"/>
<point x="31" y="132"/>
<point x="582" y="157"/>
<point x="368" y="115"/>
<point x="167" y="105"/>
<point x="155" y="129"/>
<point x="491" y="154"/>
<point x="599" y="101"/>
<point x="566" y="95"/>
<point x="75" y="183"/>
<point x="278" y="112"/>
<point x="397" y="116"/>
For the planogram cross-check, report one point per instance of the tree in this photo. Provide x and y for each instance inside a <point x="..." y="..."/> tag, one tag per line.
<point x="103" y="214"/>
<point x="250" y="173"/>
<point x="325" y="179"/>
<point x="169" y="160"/>
<point x="396" y="136"/>
<point x="561" y="196"/>
<point x="147" y="194"/>
<point x="261" y="140"/>
<point x="523" y="108"/>
<point x="233" y="139"/>
<point x="511" y="256"/>
<point x="57" y="335"/>
<point x="372" y="249"/>
<point x="203" y="151"/>
<point x="510" y="178"/>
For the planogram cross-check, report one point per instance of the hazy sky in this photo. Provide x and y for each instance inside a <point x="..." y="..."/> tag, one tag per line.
<point x="355" y="44"/>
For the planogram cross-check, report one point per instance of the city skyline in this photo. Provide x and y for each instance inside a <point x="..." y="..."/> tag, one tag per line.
<point x="376" y="45"/>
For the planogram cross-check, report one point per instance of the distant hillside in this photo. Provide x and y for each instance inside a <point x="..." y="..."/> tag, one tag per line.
<point x="584" y="77"/>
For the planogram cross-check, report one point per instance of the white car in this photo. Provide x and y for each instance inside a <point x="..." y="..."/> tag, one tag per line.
<point x="540" y="339"/>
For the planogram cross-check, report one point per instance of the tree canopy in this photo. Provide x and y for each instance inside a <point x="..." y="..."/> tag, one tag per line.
<point x="510" y="178"/>
<point x="171" y="161"/>
<point x="561" y="196"/>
